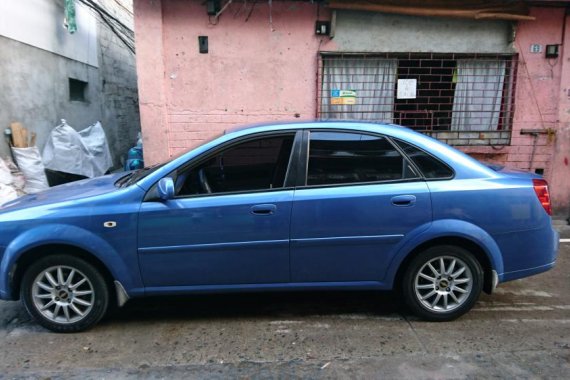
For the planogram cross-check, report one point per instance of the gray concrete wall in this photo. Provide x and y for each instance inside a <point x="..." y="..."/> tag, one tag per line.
<point x="34" y="89"/>
<point x="118" y="77"/>
<point x="379" y="32"/>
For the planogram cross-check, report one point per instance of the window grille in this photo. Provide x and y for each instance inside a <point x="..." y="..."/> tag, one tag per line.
<point x="462" y="99"/>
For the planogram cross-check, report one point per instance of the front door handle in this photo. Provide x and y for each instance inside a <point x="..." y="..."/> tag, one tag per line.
<point x="264" y="209"/>
<point x="404" y="200"/>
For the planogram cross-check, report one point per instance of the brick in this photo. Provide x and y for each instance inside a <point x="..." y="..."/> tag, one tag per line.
<point x="478" y="142"/>
<point x="524" y="149"/>
<point x="446" y="135"/>
<point x="519" y="157"/>
<point x="498" y="141"/>
<point x="457" y="142"/>
<point x="542" y="157"/>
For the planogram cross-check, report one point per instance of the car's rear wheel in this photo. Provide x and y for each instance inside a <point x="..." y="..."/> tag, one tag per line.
<point x="442" y="283"/>
<point x="64" y="293"/>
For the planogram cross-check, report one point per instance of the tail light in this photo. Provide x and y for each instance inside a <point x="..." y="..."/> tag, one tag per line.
<point x="541" y="190"/>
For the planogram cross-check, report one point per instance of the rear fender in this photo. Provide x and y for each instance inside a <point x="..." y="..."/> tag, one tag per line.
<point x="446" y="228"/>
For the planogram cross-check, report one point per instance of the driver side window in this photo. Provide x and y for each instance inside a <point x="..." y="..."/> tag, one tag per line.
<point x="251" y="165"/>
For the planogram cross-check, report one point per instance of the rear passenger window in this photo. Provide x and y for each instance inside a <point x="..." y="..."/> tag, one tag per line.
<point x="431" y="167"/>
<point x="338" y="157"/>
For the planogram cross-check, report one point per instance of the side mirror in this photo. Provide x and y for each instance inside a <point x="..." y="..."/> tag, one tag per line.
<point x="166" y="188"/>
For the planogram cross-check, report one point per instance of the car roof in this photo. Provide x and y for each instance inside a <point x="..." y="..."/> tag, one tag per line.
<point x="312" y="124"/>
<point x="463" y="165"/>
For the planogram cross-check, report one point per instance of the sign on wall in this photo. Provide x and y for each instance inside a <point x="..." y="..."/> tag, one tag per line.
<point x="343" y="97"/>
<point x="407" y="88"/>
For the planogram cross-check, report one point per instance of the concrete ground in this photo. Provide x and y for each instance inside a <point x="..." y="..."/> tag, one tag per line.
<point x="521" y="331"/>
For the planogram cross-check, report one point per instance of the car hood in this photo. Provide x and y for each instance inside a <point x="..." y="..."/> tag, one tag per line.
<point x="70" y="191"/>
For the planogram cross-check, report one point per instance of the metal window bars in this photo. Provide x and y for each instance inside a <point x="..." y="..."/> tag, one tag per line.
<point x="462" y="99"/>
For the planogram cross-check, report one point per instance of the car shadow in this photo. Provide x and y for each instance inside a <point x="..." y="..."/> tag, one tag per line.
<point x="259" y="305"/>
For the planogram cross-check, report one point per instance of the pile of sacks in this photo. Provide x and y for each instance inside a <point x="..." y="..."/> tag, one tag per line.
<point x="83" y="153"/>
<point x="12" y="181"/>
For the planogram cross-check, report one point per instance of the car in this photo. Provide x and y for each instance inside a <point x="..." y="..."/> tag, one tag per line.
<point x="292" y="206"/>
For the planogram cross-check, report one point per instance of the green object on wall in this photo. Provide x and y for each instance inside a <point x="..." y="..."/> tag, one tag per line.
<point x="69" y="21"/>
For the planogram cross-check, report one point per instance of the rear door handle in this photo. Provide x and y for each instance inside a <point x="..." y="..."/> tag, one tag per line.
<point x="264" y="209"/>
<point x="404" y="200"/>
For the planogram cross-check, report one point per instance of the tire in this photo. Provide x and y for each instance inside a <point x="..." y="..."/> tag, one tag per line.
<point x="440" y="295"/>
<point x="61" y="301"/>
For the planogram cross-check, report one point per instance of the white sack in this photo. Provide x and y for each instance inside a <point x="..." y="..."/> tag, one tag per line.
<point x="18" y="180"/>
<point x="30" y="163"/>
<point x="83" y="153"/>
<point x="7" y="194"/>
<point x="5" y="174"/>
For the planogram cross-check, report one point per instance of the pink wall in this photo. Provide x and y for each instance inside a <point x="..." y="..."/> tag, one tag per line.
<point x="560" y="178"/>
<point x="540" y="103"/>
<point x="536" y="98"/>
<point x="150" y="72"/>
<point x="538" y="82"/>
<point x="256" y="72"/>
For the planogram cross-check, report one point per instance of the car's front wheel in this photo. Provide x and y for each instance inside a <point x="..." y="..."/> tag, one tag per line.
<point x="64" y="293"/>
<point x="442" y="283"/>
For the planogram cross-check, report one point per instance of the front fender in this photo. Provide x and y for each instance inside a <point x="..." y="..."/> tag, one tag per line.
<point x="67" y="235"/>
<point x="446" y="228"/>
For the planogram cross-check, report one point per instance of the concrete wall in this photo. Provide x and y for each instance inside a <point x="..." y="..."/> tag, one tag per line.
<point x="39" y="23"/>
<point x="380" y="32"/>
<point x="34" y="85"/>
<point x="34" y="90"/>
<point x="118" y="77"/>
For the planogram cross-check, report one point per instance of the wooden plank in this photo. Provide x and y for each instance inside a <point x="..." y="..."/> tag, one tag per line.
<point x="18" y="135"/>
<point x="25" y="137"/>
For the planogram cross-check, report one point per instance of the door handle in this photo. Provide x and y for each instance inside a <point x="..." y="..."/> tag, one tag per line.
<point x="264" y="209"/>
<point x="404" y="200"/>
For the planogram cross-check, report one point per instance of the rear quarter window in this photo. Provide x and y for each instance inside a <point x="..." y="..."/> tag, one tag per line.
<point x="431" y="167"/>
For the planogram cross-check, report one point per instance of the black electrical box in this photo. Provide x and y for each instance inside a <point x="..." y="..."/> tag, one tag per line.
<point x="213" y="7"/>
<point x="203" y="44"/>
<point x="551" y="51"/>
<point x="323" y="28"/>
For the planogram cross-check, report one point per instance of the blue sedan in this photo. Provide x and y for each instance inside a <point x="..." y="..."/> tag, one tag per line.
<point x="303" y="206"/>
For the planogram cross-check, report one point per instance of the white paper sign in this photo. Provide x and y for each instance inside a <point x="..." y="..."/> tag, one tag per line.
<point x="406" y="89"/>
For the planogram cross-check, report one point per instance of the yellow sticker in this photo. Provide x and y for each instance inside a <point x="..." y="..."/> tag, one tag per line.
<point x="343" y="101"/>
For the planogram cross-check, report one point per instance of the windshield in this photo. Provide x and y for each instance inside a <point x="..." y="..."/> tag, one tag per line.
<point x="139" y="174"/>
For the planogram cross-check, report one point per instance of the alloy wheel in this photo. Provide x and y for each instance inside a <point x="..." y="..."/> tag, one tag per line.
<point x="63" y="294"/>
<point x="443" y="284"/>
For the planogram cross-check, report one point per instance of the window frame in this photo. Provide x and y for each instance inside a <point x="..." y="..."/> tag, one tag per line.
<point x="290" y="174"/>
<point x="304" y="161"/>
<point x="77" y="90"/>
<point x="461" y="138"/>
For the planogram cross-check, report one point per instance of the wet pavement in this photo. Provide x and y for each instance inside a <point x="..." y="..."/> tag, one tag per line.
<point x="523" y="331"/>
